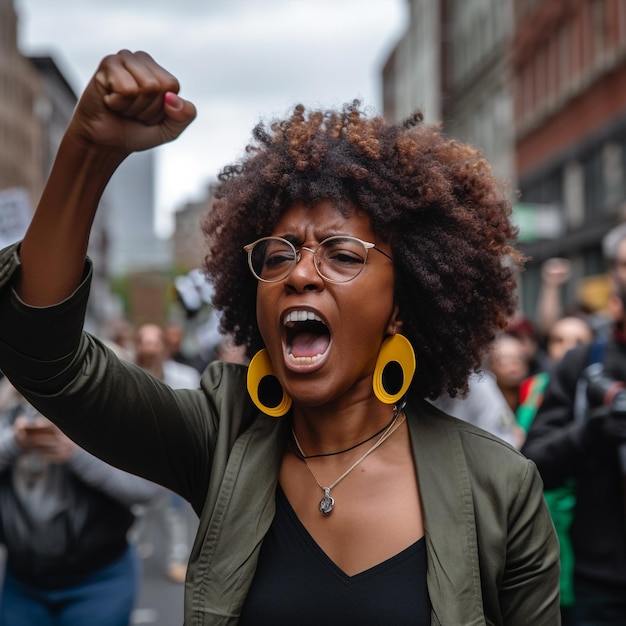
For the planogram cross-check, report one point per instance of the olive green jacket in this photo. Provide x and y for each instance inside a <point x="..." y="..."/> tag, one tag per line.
<point x="492" y="552"/>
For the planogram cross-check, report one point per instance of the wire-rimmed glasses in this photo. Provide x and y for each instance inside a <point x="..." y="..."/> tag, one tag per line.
<point x="337" y="259"/>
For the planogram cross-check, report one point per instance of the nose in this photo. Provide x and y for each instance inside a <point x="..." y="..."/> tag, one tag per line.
<point x="304" y="276"/>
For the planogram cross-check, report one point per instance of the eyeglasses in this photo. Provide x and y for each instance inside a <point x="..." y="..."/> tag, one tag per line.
<point x="337" y="259"/>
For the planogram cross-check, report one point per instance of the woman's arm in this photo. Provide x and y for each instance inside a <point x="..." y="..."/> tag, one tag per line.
<point x="129" y="105"/>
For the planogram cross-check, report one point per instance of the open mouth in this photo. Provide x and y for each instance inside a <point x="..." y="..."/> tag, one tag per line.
<point x="308" y="338"/>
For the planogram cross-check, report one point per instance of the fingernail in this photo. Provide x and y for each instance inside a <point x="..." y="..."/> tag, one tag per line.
<point x="173" y="100"/>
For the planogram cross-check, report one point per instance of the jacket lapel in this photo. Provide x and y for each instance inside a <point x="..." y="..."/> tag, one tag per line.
<point x="229" y="541"/>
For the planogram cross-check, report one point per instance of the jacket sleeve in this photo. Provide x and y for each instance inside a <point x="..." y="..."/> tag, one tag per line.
<point x="110" y="407"/>
<point x="557" y="442"/>
<point x="529" y="590"/>
<point x="37" y="345"/>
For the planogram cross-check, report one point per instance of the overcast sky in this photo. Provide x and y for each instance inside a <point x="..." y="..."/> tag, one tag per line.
<point x="239" y="61"/>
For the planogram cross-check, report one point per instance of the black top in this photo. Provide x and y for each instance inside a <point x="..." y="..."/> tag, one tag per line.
<point x="296" y="583"/>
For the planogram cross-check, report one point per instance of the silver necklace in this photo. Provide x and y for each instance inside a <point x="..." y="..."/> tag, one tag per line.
<point x="327" y="503"/>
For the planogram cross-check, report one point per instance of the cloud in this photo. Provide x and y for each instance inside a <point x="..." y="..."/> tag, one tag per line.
<point x="238" y="60"/>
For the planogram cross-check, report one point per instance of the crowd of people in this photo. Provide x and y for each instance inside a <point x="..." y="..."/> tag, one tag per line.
<point x="383" y="438"/>
<point x="558" y="380"/>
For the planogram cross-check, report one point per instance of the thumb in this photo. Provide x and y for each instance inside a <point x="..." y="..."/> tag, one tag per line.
<point x="178" y="110"/>
<point x="179" y="113"/>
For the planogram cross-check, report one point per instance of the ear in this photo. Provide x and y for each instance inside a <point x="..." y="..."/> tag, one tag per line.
<point x="395" y="323"/>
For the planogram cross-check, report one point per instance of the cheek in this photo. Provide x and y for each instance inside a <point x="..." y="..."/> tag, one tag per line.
<point x="366" y="316"/>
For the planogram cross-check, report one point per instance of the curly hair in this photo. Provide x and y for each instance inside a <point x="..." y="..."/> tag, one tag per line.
<point x="435" y="200"/>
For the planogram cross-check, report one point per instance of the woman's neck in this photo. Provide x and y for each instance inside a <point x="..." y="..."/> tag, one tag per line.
<point x="328" y="430"/>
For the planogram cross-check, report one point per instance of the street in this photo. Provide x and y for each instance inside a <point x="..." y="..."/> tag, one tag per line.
<point x="160" y="601"/>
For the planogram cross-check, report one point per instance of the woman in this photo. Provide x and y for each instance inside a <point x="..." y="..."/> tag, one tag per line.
<point x="321" y="495"/>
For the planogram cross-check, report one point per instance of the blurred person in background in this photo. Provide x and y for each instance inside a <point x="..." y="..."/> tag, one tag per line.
<point x="555" y="274"/>
<point x="64" y="519"/>
<point x="507" y="360"/>
<point x="524" y="329"/>
<point x="175" y="341"/>
<point x="578" y="437"/>
<point x="563" y="335"/>
<point x="485" y="406"/>
<point x="120" y="336"/>
<point x="152" y="355"/>
<point x="227" y="350"/>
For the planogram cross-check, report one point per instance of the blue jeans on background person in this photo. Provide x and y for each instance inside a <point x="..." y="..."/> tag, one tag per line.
<point x="104" y="598"/>
<point x="597" y="605"/>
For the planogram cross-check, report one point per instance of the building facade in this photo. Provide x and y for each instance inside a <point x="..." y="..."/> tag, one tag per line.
<point x="453" y="62"/>
<point x="133" y="244"/>
<point x="22" y="106"/>
<point x="188" y="243"/>
<point x="412" y="75"/>
<point x="36" y="104"/>
<point x="569" y="64"/>
<point x="478" y="88"/>
<point x="540" y="87"/>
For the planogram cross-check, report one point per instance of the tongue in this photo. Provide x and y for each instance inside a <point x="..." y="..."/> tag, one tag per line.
<point x="308" y="344"/>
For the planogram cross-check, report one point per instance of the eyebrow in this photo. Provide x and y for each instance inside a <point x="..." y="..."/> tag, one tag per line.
<point x="291" y="239"/>
<point x="297" y="241"/>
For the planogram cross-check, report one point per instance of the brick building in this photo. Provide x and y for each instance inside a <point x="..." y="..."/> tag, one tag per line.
<point x="540" y="87"/>
<point x="22" y="107"/>
<point x="569" y="68"/>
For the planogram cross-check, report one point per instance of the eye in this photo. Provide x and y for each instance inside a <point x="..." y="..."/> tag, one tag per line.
<point x="344" y="257"/>
<point x="275" y="258"/>
<point x="343" y="252"/>
<point x="277" y="253"/>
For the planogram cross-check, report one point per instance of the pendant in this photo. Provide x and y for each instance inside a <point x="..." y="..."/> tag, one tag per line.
<point x="327" y="503"/>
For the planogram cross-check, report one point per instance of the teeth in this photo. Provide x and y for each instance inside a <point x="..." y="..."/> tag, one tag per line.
<point x="303" y="360"/>
<point x="300" y="316"/>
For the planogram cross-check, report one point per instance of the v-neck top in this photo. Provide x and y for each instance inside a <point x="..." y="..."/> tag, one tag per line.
<point x="297" y="583"/>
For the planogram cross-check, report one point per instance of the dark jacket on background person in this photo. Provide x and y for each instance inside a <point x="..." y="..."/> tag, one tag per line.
<point x="565" y="447"/>
<point x="217" y="450"/>
<point x="62" y="521"/>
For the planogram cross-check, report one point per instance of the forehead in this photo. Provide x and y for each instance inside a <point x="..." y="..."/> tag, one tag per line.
<point x="507" y="345"/>
<point x="150" y="333"/>
<point x="321" y="220"/>
<point x="620" y="252"/>
<point x="570" y="326"/>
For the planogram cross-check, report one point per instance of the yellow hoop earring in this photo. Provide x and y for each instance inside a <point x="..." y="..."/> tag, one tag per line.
<point x="264" y="388"/>
<point x="394" y="369"/>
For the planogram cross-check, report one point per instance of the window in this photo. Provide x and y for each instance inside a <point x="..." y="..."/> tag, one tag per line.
<point x="594" y="183"/>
